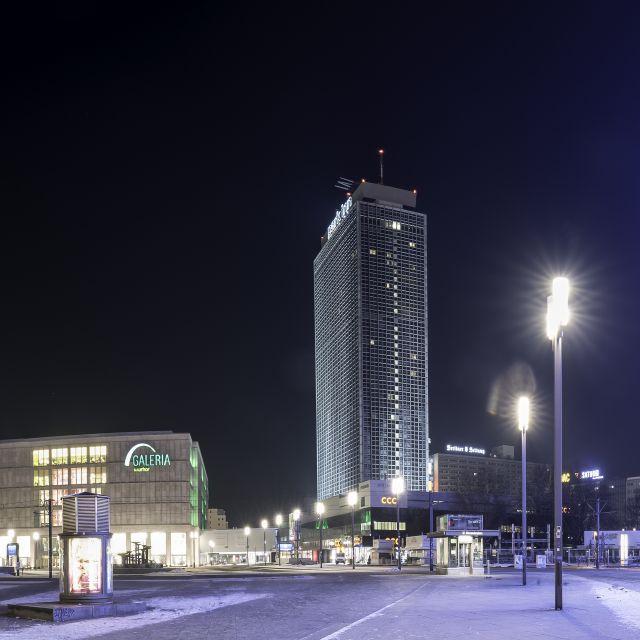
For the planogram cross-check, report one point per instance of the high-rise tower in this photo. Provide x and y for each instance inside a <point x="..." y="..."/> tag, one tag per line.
<point x="370" y="297"/>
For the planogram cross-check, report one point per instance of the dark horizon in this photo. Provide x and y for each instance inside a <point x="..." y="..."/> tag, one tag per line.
<point x="167" y="175"/>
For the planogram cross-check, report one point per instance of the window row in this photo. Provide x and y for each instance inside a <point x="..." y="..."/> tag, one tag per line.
<point x="73" y="475"/>
<point x="73" y="455"/>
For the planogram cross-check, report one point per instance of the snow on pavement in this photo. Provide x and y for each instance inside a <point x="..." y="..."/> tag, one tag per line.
<point x="164" y="609"/>
<point x="625" y="603"/>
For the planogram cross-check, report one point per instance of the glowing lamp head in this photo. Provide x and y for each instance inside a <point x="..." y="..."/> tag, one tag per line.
<point x="397" y="485"/>
<point x="278" y="520"/>
<point x="557" y="307"/>
<point x="10" y="534"/>
<point x="247" y="531"/>
<point x="381" y="151"/>
<point x="319" y="508"/>
<point x="36" y="536"/>
<point x="264" y="523"/>
<point x="296" y="514"/>
<point x="212" y="543"/>
<point x="352" y="498"/>
<point x="523" y="413"/>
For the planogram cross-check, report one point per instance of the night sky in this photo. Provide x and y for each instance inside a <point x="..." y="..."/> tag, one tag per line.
<point x="166" y="175"/>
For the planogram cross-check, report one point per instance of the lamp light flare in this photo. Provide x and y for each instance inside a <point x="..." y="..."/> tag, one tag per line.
<point x="523" y="413"/>
<point x="352" y="498"/>
<point x="264" y="523"/>
<point x="247" y="531"/>
<point x="278" y="520"/>
<point x="296" y="514"/>
<point x="557" y="307"/>
<point x="397" y="485"/>
<point x="319" y="508"/>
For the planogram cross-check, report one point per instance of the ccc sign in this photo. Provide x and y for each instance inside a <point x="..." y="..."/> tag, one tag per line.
<point x="389" y="500"/>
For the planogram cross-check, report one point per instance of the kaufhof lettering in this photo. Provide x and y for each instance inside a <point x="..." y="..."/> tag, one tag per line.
<point x="141" y="462"/>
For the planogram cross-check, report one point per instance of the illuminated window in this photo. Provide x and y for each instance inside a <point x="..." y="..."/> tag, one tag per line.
<point x="372" y="252"/>
<point x="98" y="453"/>
<point x="56" y="495"/>
<point x="78" y="455"/>
<point x="97" y="490"/>
<point x="78" y="475"/>
<point x="60" y="456"/>
<point x="412" y="245"/>
<point x="40" y="478"/>
<point x="43" y="495"/>
<point x="41" y="457"/>
<point x="97" y="475"/>
<point x="60" y="476"/>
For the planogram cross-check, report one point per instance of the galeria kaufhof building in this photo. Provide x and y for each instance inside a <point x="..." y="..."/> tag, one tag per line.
<point x="156" y="480"/>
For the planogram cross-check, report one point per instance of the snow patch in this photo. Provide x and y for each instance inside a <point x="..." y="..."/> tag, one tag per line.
<point x="625" y="603"/>
<point x="163" y="610"/>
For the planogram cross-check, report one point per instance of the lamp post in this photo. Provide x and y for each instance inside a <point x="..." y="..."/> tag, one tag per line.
<point x="320" y="513"/>
<point x="397" y="487"/>
<point x="557" y="318"/>
<point x="247" y="532"/>
<point x="278" y="525"/>
<point x="352" y="499"/>
<point x="296" y="520"/>
<point x="264" y="524"/>
<point x="523" y="425"/>
<point x="212" y="544"/>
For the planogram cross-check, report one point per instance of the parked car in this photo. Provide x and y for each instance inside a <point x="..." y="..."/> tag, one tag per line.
<point x="341" y="558"/>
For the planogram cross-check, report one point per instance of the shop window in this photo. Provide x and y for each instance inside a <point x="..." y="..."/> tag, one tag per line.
<point x="40" y="478"/>
<point x="41" y="458"/>
<point x="60" y="476"/>
<point x="60" y="456"/>
<point x="97" y="475"/>
<point x="78" y="475"/>
<point x="98" y="453"/>
<point x="78" y="455"/>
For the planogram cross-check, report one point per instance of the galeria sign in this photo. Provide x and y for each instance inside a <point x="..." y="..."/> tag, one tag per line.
<point x="143" y="461"/>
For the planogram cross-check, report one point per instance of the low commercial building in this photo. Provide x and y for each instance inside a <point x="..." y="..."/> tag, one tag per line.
<point x="234" y="546"/>
<point x="156" y="480"/>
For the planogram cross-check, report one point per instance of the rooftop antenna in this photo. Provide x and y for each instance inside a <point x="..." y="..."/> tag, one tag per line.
<point x="381" y="154"/>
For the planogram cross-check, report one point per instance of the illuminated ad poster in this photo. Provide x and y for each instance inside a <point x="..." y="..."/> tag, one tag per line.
<point x="84" y="565"/>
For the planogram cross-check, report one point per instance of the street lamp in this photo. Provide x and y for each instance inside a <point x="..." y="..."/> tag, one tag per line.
<point x="352" y="499"/>
<point x="10" y="534"/>
<point x="319" y="513"/>
<point x="278" y="525"/>
<point x="247" y="532"/>
<point x="296" y="520"/>
<point x="557" y="318"/>
<point x="523" y="425"/>
<point x="264" y="524"/>
<point x="397" y="487"/>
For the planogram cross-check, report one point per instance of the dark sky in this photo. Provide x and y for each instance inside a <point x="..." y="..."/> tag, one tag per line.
<point x="166" y="175"/>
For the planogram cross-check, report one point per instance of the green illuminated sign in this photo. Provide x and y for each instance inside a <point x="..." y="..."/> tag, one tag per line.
<point x="145" y="461"/>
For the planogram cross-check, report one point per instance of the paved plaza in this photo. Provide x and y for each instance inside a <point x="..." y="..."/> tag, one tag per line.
<point x="309" y="604"/>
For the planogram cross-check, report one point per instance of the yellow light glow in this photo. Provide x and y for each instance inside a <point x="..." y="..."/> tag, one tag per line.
<point x="352" y="498"/>
<point x="523" y="413"/>
<point x="264" y="523"/>
<point x="278" y="520"/>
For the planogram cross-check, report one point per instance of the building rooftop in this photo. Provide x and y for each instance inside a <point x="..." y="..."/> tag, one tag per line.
<point x="113" y="434"/>
<point x="384" y="194"/>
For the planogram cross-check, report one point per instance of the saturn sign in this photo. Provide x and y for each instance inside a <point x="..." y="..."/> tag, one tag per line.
<point x="143" y="461"/>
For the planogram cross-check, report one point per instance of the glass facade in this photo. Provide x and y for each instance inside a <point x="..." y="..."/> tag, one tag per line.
<point x="370" y="299"/>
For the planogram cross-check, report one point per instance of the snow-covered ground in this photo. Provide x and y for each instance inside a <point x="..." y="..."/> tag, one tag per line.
<point x="361" y="606"/>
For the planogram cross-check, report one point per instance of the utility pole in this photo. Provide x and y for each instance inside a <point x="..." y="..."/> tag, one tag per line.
<point x="49" y="501"/>
<point x="431" y="531"/>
